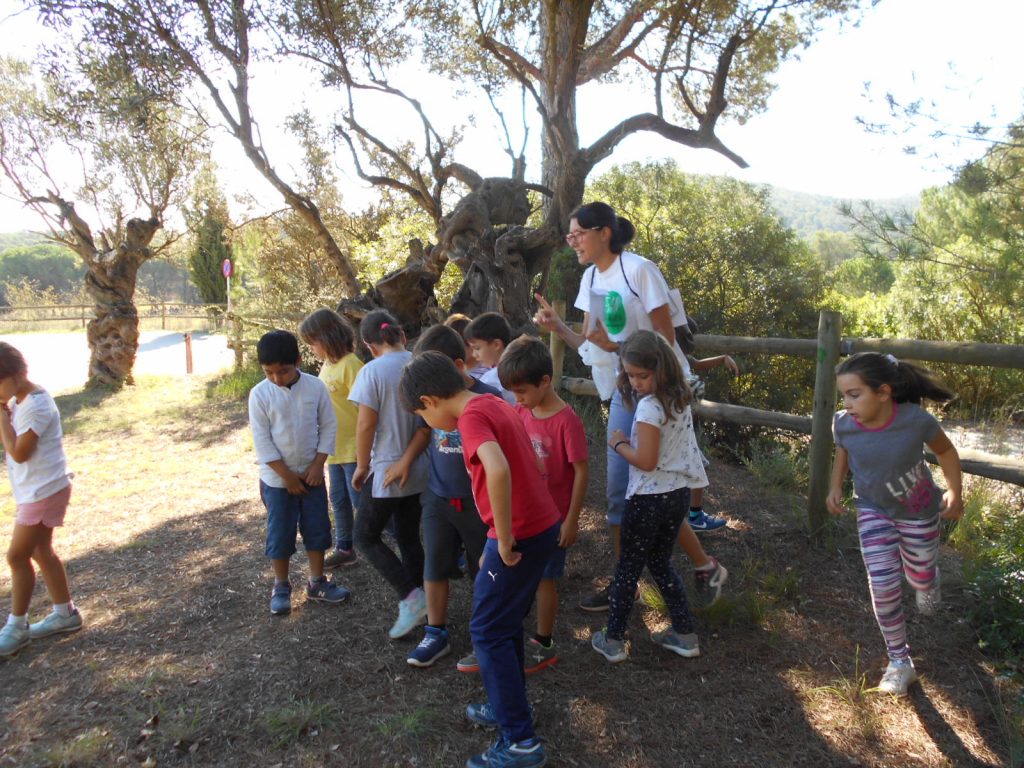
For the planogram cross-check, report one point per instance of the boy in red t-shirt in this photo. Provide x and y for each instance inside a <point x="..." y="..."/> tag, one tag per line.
<point x="523" y="528"/>
<point x="558" y="438"/>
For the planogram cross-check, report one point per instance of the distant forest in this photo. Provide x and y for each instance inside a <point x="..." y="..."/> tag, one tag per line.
<point x="808" y="213"/>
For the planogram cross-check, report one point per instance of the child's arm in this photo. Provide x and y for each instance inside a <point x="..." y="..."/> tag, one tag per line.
<point x="949" y="461"/>
<point x="400" y="469"/>
<point x="327" y="427"/>
<point x="266" y="451"/>
<point x="571" y="524"/>
<point x="708" y="363"/>
<point x="499" y="491"/>
<point x="366" y="428"/>
<point x="840" y="466"/>
<point x="19" y="447"/>
<point x="292" y="480"/>
<point x="648" y="441"/>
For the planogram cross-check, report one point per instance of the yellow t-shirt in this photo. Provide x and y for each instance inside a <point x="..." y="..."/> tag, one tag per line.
<point x="339" y="377"/>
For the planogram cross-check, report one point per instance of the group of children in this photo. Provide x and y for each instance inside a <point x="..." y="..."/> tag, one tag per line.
<point x="415" y="441"/>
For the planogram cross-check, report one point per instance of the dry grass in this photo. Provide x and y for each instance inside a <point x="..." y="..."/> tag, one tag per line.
<point x="181" y="664"/>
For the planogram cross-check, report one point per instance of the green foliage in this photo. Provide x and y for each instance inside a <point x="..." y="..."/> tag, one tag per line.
<point x="740" y="270"/>
<point x="863" y="275"/>
<point x="833" y="248"/>
<point x="819" y="215"/>
<point x="208" y="220"/>
<point x="46" y="266"/>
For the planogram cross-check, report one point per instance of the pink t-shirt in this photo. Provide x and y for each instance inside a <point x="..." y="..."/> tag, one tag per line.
<point x="558" y="441"/>
<point x="488" y="418"/>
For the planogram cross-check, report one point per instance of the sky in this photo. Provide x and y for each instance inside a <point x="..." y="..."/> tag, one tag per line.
<point x="966" y="58"/>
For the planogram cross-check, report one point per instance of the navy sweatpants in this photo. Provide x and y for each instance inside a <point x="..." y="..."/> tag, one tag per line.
<point x="502" y="596"/>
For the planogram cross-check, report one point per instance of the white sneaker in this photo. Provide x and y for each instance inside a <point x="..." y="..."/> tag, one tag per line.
<point x="929" y="600"/>
<point x="411" y="613"/>
<point x="898" y="677"/>
<point x="13" y="638"/>
<point x="55" y="623"/>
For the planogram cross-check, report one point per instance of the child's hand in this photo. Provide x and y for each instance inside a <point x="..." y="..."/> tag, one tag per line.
<point x="598" y="336"/>
<point x="314" y="476"/>
<point x="294" y="485"/>
<point x="567" y="533"/>
<point x="398" y="471"/>
<point x="359" y="477"/>
<point x="617" y="436"/>
<point x="952" y="506"/>
<point x="834" y="502"/>
<point x="730" y="364"/>
<point x="508" y="555"/>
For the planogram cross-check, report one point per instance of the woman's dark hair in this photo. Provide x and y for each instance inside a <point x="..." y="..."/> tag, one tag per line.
<point x="331" y="331"/>
<point x="909" y="383"/>
<point x="650" y="351"/>
<point x="431" y="374"/>
<point x="12" y="362"/>
<point x="596" y="215"/>
<point x="380" y="327"/>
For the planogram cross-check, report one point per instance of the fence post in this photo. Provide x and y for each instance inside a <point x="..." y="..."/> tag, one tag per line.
<point x="236" y="332"/>
<point x="557" y="345"/>
<point x="163" y="316"/>
<point x="830" y="325"/>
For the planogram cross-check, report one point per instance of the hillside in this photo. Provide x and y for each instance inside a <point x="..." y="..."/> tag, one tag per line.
<point x="809" y="213"/>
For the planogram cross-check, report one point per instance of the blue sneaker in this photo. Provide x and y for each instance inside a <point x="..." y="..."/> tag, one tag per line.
<point x="528" y="753"/>
<point x="281" y="599"/>
<point x="703" y="522"/>
<point x="432" y="647"/>
<point x="483" y="714"/>
<point x="326" y="591"/>
<point x="13" y="637"/>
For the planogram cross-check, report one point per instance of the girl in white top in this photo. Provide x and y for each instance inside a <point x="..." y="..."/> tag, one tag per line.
<point x="31" y="433"/>
<point x="664" y="464"/>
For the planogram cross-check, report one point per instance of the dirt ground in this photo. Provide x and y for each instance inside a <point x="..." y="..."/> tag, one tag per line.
<point x="181" y="664"/>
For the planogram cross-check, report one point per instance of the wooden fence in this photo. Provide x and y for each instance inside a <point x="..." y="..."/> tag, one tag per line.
<point x="83" y="313"/>
<point x="826" y="351"/>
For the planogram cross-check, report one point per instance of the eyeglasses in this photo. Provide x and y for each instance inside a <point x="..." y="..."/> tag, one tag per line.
<point x="573" y="237"/>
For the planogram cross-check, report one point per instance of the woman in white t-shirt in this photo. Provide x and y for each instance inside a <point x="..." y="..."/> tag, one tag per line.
<point x="31" y="433"/>
<point x="621" y="293"/>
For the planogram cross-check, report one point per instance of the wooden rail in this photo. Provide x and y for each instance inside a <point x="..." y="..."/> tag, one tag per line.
<point x="826" y="351"/>
<point x="83" y="313"/>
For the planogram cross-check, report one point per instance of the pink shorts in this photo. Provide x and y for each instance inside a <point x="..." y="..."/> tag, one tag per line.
<point x="49" y="511"/>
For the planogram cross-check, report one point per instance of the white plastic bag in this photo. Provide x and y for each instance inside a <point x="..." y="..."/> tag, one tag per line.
<point x="603" y="366"/>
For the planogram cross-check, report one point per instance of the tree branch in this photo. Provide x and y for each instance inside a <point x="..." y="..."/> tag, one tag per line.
<point x="697" y="139"/>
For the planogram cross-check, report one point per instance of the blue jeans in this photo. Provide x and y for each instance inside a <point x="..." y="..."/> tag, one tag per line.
<point x="287" y="513"/>
<point x="619" y="417"/>
<point x="502" y="596"/>
<point x="344" y="499"/>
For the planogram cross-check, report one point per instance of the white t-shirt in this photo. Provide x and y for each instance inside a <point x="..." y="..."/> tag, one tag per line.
<point x="376" y="387"/>
<point x="45" y="472"/>
<point x="490" y="378"/>
<point x="679" y="459"/>
<point x="623" y="297"/>
<point x="292" y="424"/>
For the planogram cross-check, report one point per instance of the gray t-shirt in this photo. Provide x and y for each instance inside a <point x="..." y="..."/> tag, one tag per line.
<point x="889" y="470"/>
<point x="376" y="387"/>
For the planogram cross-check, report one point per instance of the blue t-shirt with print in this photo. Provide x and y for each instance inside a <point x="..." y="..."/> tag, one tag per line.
<point x="448" y="476"/>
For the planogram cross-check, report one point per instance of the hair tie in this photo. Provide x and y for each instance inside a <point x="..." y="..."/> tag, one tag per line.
<point x="892" y="359"/>
<point x="384" y="325"/>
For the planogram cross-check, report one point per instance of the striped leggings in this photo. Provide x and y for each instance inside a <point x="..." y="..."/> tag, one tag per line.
<point x="891" y="548"/>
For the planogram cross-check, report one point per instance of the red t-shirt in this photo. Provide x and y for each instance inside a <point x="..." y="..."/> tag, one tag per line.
<point x="488" y="418"/>
<point x="558" y="441"/>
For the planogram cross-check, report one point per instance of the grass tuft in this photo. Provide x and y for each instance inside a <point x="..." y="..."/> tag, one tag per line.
<point x="288" y="724"/>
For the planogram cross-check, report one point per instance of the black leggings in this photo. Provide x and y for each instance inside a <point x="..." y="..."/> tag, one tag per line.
<point x="371" y="519"/>
<point x="650" y="525"/>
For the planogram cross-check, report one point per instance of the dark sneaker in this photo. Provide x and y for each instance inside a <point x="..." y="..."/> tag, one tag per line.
<point x="432" y="647"/>
<point x="326" y="591"/>
<point x="703" y="522"/>
<point x="340" y="557"/>
<point x="13" y="638"/>
<point x="281" y="599"/>
<point x="538" y="657"/>
<point x="507" y="754"/>
<point x="709" y="582"/>
<point x="483" y="714"/>
<point x="596" y="603"/>
<point x="687" y="646"/>
<point x="468" y="664"/>
<point x="613" y="650"/>
<point x="55" y="623"/>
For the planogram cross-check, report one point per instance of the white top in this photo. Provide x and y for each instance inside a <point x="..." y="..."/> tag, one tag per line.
<point x="376" y="387"/>
<point x="679" y="460"/>
<point x="292" y="424"/>
<point x="490" y="378"/>
<point x="45" y="472"/>
<point x="623" y="297"/>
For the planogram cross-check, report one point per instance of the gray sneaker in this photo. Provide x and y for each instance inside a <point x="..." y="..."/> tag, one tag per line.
<point x="929" y="600"/>
<point x="709" y="582"/>
<point x="687" y="646"/>
<point x="339" y="558"/>
<point x="596" y="603"/>
<point x="898" y="677"/>
<point x="55" y="623"/>
<point x="13" y="638"/>
<point x="613" y="650"/>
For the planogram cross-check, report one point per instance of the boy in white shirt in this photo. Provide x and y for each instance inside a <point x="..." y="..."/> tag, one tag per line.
<point x="293" y="428"/>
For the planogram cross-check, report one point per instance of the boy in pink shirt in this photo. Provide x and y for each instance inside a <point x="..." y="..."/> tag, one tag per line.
<point x="523" y="528"/>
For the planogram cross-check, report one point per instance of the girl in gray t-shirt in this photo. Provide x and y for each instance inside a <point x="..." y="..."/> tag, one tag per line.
<point x="880" y="436"/>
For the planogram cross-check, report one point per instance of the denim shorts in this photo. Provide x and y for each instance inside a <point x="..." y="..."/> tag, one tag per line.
<point x="287" y="514"/>
<point x="445" y="527"/>
<point x="555" y="569"/>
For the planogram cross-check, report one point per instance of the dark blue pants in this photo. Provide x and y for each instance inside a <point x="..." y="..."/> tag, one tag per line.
<point x="502" y="597"/>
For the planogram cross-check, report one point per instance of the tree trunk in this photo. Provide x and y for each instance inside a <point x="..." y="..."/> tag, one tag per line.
<point x="113" y="334"/>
